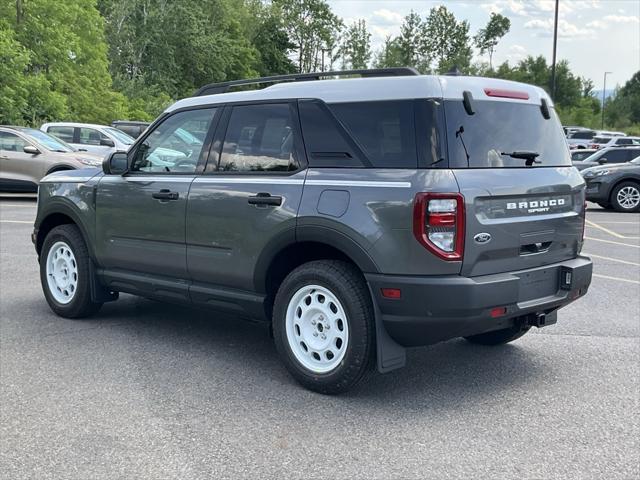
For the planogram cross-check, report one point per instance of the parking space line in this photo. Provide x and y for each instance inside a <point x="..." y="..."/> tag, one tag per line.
<point x="611" y="259"/>
<point x="620" y="223"/>
<point x="16" y="205"/>
<point x="611" y="241"/>
<point x="17" y="221"/>
<point x="607" y="277"/>
<point x="606" y="230"/>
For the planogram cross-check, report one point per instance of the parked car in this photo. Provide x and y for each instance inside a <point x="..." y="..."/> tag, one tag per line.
<point x="318" y="206"/>
<point x="581" y="154"/>
<point x="97" y="139"/>
<point x="603" y="142"/>
<point x="568" y="130"/>
<point x="609" y="156"/>
<point x="130" y="127"/>
<point x="616" y="186"/>
<point x="584" y="138"/>
<point x="27" y="155"/>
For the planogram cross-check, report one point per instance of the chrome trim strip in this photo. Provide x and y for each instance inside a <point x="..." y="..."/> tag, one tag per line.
<point x="359" y="183"/>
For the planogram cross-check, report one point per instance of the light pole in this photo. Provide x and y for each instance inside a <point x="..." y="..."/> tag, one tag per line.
<point x="604" y="89"/>
<point x="555" y="45"/>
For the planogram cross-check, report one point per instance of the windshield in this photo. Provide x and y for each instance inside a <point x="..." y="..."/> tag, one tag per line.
<point x="601" y="140"/>
<point x="48" y="141"/>
<point x="121" y="136"/>
<point x="504" y="135"/>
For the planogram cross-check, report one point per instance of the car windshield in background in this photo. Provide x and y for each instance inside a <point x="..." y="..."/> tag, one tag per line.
<point x="121" y="136"/>
<point x="48" y="141"/>
<point x="601" y="140"/>
<point x="503" y="135"/>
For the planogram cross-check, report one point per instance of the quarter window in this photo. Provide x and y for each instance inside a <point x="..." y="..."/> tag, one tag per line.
<point x="176" y="144"/>
<point x="259" y="138"/>
<point x="63" y="133"/>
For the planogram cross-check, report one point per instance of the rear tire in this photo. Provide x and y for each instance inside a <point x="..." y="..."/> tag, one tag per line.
<point x="498" y="337"/>
<point x="65" y="273"/>
<point x="626" y="197"/>
<point x="323" y="326"/>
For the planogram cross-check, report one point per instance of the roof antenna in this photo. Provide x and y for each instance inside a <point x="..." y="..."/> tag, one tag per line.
<point x="454" y="72"/>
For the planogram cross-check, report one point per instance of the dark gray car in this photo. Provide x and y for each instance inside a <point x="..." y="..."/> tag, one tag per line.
<point x="608" y="156"/>
<point x="616" y="186"/>
<point x="357" y="217"/>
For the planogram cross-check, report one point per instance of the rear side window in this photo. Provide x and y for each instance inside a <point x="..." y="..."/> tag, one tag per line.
<point x="497" y="128"/>
<point x="617" y="156"/>
<point x="385" y="131"/>
<point x="588" y="135"/>
<point x="259" y="138"/>
<point x="63" y="133"/>
<point x="624" y="141"/>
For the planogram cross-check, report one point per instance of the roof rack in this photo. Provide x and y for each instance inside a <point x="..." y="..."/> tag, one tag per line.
<point x="214" y="88"/>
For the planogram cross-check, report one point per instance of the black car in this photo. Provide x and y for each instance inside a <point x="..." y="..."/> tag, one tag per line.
<point x="609" y="156"/>
<point x="616" y="186"/>
<point x="130" y="127"/>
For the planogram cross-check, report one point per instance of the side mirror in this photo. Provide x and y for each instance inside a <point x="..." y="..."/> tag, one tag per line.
<point x="31" y="150"/>
<point x="115" y="163"/>
<point x="107" y="142"/>
<point x="602" y="161"/>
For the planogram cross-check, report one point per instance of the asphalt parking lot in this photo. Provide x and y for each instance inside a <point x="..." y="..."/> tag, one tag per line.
<point x="150" y="390"/>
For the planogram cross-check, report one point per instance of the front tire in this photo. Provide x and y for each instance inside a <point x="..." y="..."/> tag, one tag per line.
<point x="323" y="326"/>
<point x="626" y="197"/>
<point x="499" y="337"/>
<point x="65" y="273"/>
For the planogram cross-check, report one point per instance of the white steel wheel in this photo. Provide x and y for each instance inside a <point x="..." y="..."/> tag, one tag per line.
<point x="628" y="197"/>
<point x="62" y="272"/>
<point x="317" y="329"/>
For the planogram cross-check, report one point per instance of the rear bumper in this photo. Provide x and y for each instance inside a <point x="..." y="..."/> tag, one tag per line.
<point x="437" y="308"/>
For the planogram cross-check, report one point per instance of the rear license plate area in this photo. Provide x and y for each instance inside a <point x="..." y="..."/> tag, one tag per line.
<point x="538" y="283"/>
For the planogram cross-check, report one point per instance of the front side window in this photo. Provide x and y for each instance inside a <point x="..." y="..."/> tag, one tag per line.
<point x="10" y="142"/>
<point x="259" y="138"/>
<point x="176" y="144"/>
<point x="48" y="141"/>
<point x="63" y="133"/>
<point x="90" y="136"/>
<point x="617" y="156"/>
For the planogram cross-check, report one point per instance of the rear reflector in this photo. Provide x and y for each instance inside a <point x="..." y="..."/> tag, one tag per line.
<point x="394" y="293"/>
<point x="498" y="312"/>
<point x="498" y="92"/>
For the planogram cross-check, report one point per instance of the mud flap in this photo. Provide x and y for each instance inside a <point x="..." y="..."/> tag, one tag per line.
<point x="389" y="354"/>
<point x="99" y="294"/>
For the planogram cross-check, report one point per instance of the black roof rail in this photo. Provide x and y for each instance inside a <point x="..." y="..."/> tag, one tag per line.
<point x="223" y="87"/>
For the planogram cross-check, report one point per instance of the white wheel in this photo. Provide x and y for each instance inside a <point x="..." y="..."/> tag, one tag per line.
<point x="628" y="197"/>
<point x="317" y="329"/>
<point x="62" y="272"/>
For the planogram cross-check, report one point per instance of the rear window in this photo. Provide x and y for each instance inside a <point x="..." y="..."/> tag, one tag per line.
<point x="588" y="135"/>
<point x="479" y="140"/>
<point x="601" y="140"/>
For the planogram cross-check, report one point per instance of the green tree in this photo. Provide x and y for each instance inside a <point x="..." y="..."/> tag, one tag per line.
<point x="410" y="44"/>
<point x="356" y="46"/>
<point x="271" y="40"/>
<point x="488" y="37"/>
<point x="389" y="55"/>
<point x="312" y="27"/>
<point x="446" y="40"/>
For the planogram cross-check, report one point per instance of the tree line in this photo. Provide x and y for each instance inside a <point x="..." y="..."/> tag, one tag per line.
<point x="100" y="60"/>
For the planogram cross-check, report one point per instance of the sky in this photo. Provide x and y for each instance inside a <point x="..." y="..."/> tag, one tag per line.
<point x="593" y="35"/>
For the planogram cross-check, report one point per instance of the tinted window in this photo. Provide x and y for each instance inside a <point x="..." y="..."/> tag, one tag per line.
<point x="63" y="133"/>
<point x="90" y="136"/>
<point x="174" y="145"/>
<point x="11" y="142"/>
<point x="624" y="141"/>
<point x="259" y="138"/>
<point x="617" y="156"/>
<point x="479" y="140"/>
<point x="601" y="140"/>
<point x="384" y="130"/>
<point x="577" y="156"/>
<point x="583" y="135"/>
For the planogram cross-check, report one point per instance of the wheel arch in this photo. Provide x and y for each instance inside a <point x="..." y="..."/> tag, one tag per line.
<point x="59" y="168"/>
<point x="60" y="214"/>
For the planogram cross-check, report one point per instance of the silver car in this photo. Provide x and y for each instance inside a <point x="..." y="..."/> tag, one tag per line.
<point x="92" y="138"/>
<point x="27" y="155"/>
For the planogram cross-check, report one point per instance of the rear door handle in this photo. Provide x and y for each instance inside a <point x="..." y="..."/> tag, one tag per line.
<point x="165" y="194"/>
<point x="264" y="198"/>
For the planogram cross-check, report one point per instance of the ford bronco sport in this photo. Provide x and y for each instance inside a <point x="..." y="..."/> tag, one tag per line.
<point x="358" y="216"/>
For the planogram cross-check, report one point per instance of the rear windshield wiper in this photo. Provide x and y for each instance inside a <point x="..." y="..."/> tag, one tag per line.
<point x="530" y="157"/>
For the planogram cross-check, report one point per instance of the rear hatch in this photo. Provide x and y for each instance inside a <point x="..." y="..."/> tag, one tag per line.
<point x="524" y="202"/>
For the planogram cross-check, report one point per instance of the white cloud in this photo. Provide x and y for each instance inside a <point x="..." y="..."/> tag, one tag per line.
<point x="565" y="29"/>
<point x="597" y="24"/>
<point x="386" y="17"/>
<point x="622" y="19"/>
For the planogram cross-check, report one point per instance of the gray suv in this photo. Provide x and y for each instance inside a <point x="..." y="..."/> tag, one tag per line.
<point x="356" y="216"/>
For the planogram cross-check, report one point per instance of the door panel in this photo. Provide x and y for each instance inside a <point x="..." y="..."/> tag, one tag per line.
<point x="16" y="165"/>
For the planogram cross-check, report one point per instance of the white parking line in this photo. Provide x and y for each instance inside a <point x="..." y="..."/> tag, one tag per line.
<point x="611" y="259"/>
<point x="607" y="277"/>
<point x="17" y="221"/>
<point x="606" y="230"/>
<point x="16" y="205"/>
<point x="611" y="241"/>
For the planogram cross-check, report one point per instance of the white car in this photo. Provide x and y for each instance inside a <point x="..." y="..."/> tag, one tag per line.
<point x="98" y="139"/>
<point x="606" y="141"/>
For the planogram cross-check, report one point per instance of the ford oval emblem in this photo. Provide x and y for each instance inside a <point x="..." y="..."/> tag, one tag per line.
<point x="482" y="237"/>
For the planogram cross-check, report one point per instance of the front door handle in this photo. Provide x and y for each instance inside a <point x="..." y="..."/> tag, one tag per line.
<point x="264" y="198"/>
<point x="165" y="194"/>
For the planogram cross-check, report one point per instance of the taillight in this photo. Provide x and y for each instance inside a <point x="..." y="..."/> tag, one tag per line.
<point x="438" y="223"/>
